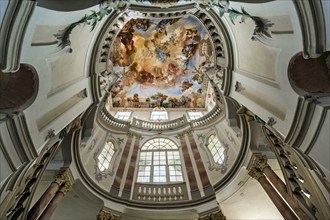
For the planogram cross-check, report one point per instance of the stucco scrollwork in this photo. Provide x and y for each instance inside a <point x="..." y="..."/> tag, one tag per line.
<point x="212" y="164"/>
<point x="92" y="144"/>
<point x="110" y="171"/>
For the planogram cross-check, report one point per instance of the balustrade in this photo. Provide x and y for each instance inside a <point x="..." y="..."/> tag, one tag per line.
<point x="167" y="125"/>
<point x="298" y="173"/>
<point x="113" y="122"/>
<point x="160" y="193"/>
<point x="21" y="187"/>
<point x="180" y="123"/>
<point x="210" y="117"/>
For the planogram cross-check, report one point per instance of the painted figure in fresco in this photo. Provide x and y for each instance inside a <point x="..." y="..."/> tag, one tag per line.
<point x="123" y="99"/>
<point x="117" y="87"/>
<point x="162" y="25"/>
<point x="186" y="85"/>
<point x="125" y="37"/>
<point x="172" y="68"/>
<point x="136" y="98"/>
<point x="145" y="77"/>
<point x="159" y="56"/>
<point x="142" y="24"/>
<point x="162" y="56"/>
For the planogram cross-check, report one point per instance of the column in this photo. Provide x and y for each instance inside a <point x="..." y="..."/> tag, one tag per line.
<point x="47" y="196"/>
<point x="195" y="193"/>
<point x="115" y="188"/>
<point x="43" y="201"/>
<point x="282" y="207"/>
<point x="64" y="182"/>
<point x="261" y="163"/>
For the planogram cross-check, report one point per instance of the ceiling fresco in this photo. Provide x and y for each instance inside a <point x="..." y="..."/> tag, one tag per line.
<point x="160" y="61"/>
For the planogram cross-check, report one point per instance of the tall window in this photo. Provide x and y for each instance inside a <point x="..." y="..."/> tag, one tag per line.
<point x="216" y="149"/>
<point x="105" y="156"/>
<point x="159" y="114"/>
<point x="195" y="115"/>
<point x="159" y="162"/>
<point x="123" y="115"/>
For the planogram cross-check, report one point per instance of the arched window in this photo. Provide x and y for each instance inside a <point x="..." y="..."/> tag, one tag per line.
<point x="159" y="162"/>
<point x="216" y="149"/>
<point x="105" y="156"/>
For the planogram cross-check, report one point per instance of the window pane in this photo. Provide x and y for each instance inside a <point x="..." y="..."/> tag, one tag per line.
<point x="105" y="156"/>
<point x="195" y="115"/>
<point x="144" y="174"/>
<point x="158" y="115"/>
<point x="123" y="115"/>
<point x="216" y="149"/>
<point x="161" y="156"/>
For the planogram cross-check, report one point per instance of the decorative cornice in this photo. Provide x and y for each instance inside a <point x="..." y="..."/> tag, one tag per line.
<point x="313" y="28"/>
<point x="304" y="114"/>
<point x="16" y="19"/>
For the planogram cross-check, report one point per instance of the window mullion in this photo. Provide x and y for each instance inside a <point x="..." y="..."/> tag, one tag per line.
<point x="152" y="168"/>
<point x="167" y="169"/>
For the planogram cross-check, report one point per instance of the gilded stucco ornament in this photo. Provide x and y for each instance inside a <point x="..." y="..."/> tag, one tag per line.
<point x="107" y="215"/>
<point x="214" y="216"/>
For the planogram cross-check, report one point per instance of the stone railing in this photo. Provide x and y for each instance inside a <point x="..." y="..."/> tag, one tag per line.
<point x="166" y="125"/>
<point x="111" y="122"/>
<point x="18" y="190"/>
<point x="302" y="181"/>
<point x="155" y="193"/>
<point x="209" y="118"/>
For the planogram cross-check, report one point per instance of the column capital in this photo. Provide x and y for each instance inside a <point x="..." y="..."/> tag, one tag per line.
<point x="65" y="187"/>
<point x="214" y="216"/>
<point x="260" y="162"/>
<point x="63" y="176"/>
<point x="255" y="173"/>
<point x="107" y="215"/>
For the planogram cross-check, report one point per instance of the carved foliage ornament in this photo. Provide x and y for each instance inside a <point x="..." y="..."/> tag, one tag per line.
<point x="64" y="180"/>
<point x="107" y="215"/>
<point x="214" y="216"/>
<point x="259" y="164"/>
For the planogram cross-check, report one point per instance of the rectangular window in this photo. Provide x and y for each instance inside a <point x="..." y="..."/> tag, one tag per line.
<point x="195" y="115"/>
<point x="144" y="174"/>
<point x="175" y="173"/>
<point x="158" y="116"/>
<point x="123" y="115"/>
